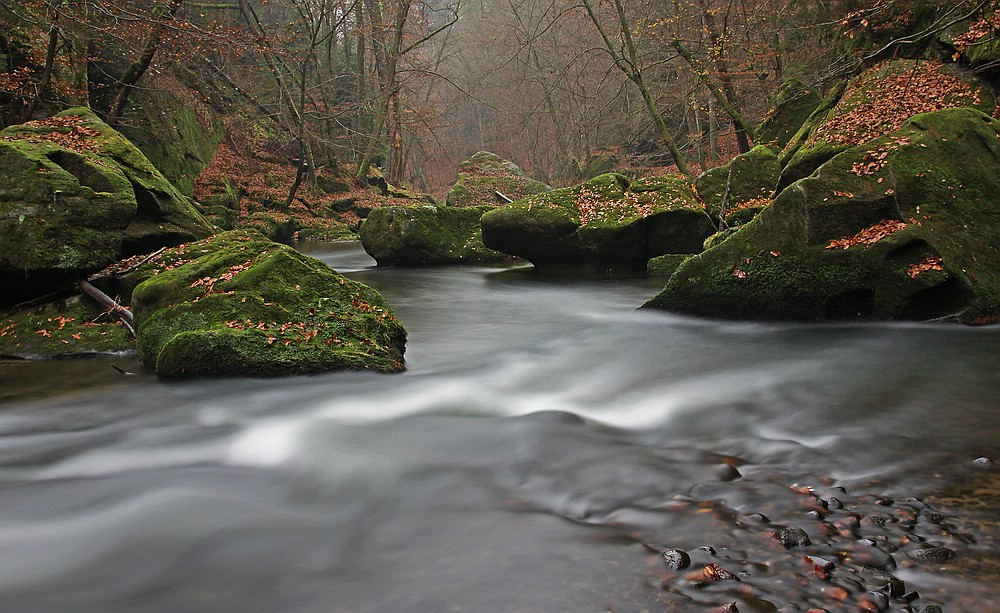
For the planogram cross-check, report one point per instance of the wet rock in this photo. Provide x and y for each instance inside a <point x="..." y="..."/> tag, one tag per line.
<point x="871" y="556"/>
<point x="821" y="567"/>
<point x="932" y="608"/>
<point x="933" y="554"/>
<point x="874" y="601"/>
<point x="714" y="573"/>
<point x="982" y="462"/>
<point x="791" y="537"/>
<point x="882" y="580"/>
<point x="675" y="559"/>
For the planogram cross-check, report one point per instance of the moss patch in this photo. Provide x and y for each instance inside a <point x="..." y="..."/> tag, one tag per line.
<point x="70" y="327"/>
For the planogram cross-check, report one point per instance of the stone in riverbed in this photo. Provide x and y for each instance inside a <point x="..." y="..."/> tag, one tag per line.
<point x="483" y="175"/>
<point x="791" y="537"/>
<point x="675" y="559"/>
<point x="426" y="235"/>
<point x="605" y="223"/>
<point x="238" y="304"/>
<point x="904" y="227"/>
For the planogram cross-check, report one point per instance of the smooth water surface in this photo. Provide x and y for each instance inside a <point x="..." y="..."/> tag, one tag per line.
<point x="545" y="444"/>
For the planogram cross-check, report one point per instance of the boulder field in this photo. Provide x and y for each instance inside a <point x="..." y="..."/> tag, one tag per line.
<point x="905" y="226"/>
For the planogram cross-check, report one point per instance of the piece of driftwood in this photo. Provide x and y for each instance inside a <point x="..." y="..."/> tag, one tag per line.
<point x="114" y="308"/>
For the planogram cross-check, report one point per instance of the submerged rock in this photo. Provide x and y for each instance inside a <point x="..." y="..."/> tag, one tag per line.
<point x="239" y="304"/>
<point x="904" y="227"/>
<point x="604" y="223"/>
<point x="424" y="235"/>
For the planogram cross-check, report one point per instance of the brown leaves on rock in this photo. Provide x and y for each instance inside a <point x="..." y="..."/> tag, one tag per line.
<point x="209" y="282"/>
<point x="929" y="263"/>
<point x="869" y="236"/>
<point x="594" y="207"/>
<point x="68" y="132"/>
<point x="885" y="101"/>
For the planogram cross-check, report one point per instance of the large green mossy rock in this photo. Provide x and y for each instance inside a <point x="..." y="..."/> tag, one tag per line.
<point x="874" y="104"/>
<point x="239" y="304"/>
<point x="905" y="227"/>
<point x="483" y="175"/>
<point x="163" y="217"/>
<point x="605" y="223"/>
<point x="63" y="214"/>
<point x="750" y="179"/>
<point x="426" y="235"/>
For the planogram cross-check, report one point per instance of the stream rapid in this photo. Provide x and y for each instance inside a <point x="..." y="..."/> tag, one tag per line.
<point x="546" y="444"/>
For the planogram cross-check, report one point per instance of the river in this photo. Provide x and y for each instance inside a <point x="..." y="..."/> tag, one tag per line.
<point x="546" y="443"/>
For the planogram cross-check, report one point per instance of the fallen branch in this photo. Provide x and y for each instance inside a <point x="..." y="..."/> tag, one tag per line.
<point x="114" y="308"/>
<point x="502" y="197"/>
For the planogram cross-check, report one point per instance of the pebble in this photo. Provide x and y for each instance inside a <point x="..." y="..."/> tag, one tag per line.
<point x="984" y="461"/>
<point x="932" y="608"/>
<point x="933" y="554"/>
<point x="890" y="583"/>
<point x="791" y="537"/>
<point x="874" y="601"/>
<point x="675" y="559"/>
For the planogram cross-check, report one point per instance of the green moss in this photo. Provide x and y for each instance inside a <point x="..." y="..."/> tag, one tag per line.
<point x="603" y="223"/>
<point x="423" y="235"/>
<point x="805" y="257"/>
<point x="754" y="177"/>
<point x="792" y="107"/>
<point x="238" y="304"/>
<point x="876" y="103"/>
<point x="69" y="327"/>
<point x="665" y="265"/>
<point x="484" y="174"/>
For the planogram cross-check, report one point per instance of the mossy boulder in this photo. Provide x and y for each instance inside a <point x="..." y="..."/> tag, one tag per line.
<point x="423" y="235"/>
<point x="904" y="227"/>
<point x="63" y="214"/>
<point x="483" y="175"/>
<point x="874" y="104"/>
<point x="239" y="304"/>
<point x="792" y="107"/>
<point x="163" y="216"/>
<point x="605" y="223"/>
<point x="751" y="179"/>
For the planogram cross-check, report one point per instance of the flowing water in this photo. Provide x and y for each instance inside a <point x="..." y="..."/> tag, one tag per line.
<point x="545" y="445"/>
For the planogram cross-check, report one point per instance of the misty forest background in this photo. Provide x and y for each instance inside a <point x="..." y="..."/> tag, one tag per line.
<point x="565" y="88"/>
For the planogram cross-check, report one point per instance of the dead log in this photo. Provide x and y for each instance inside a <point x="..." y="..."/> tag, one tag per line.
<point x="112" y="305"/>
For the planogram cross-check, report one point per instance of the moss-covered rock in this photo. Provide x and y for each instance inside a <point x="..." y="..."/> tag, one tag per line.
<point x="874" y="104"/>
<point x="63" y="214"/>
<point x="238" y="304"/>
<point x="163" y="216"/>
<point x="69" y="327"/>
<point x="483" y="175"/>
<point x="422" y="235"/>
<point x="603" y="223"/>
<point x="665" y="265"/>
<point x="174" y="129"/>
<point x="904" y="227"/>
<point x="792" y="107"/>
<point x="751" y="179"/>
